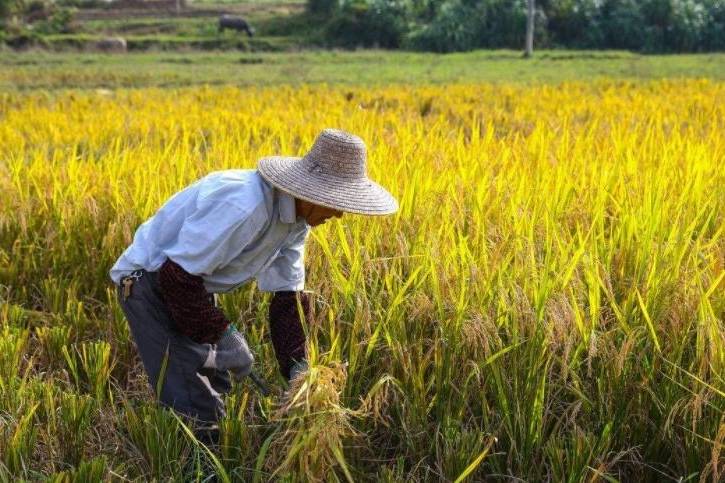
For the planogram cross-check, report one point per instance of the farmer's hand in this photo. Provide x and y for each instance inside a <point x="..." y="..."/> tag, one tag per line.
<point x="299" y="367"/>
<point x="231" y="353"/>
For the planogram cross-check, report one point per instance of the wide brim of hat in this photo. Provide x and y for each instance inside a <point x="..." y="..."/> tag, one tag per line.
<point x="362" y="196"/>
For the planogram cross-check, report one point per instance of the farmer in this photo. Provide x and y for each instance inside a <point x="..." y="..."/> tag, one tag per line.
<point x="215" y="235"/>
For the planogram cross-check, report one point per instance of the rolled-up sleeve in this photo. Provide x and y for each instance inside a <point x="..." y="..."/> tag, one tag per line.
<point x="287" y="270"/>
<point x="213" y="235"/>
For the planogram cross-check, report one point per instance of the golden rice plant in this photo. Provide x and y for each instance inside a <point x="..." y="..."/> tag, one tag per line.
<point x="312" y="426"/>
<point x="547" y="304"/>
<point x="92" y="470"/>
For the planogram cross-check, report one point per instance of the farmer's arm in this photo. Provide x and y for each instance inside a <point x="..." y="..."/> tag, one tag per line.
<point x="286" y="278"/>
<point x="191" y="306"/>
<point x="285" y="325"/>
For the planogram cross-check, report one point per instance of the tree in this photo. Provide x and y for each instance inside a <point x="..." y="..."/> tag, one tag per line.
<point x="4" y="10"/>
<point x="529" y="28"/>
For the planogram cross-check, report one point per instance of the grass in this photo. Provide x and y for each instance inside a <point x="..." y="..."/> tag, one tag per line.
<point x="277" y="21"/>
<point x="32" y="70"/>
<point x="278" y="26"/>
<point x="164" y="42"/>
<point x="547" y="305"/>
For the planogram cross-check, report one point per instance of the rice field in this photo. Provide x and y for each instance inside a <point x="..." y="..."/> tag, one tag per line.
<point x="547" y="305"/>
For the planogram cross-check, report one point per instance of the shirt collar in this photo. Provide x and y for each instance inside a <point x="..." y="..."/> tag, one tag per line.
<point x="287" y="212"/>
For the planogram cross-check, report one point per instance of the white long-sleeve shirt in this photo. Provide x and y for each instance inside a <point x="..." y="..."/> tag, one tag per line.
<point x="229" y="227"/>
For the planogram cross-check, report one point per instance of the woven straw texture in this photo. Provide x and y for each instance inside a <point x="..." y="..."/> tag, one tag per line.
<point x="332" y="174"/>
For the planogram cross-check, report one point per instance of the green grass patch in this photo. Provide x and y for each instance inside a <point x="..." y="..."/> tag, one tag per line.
<point x="38" y="69"/>
<point x="87" y="42"/>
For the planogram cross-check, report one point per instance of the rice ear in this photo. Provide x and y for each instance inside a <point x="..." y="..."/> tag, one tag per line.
<point x="313" y="426"/>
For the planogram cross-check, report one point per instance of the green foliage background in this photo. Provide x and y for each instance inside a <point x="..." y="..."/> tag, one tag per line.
<point x="459" y="25"/>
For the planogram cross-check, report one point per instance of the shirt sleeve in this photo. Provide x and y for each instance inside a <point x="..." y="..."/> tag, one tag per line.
<point x="213" y="235"/>
<point x="192" y="308"/>
<point x="287" y="270"/>
<point x="285" y="326"/>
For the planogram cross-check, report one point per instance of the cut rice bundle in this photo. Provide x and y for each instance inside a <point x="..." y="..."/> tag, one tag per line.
<point x="313" y="426"/>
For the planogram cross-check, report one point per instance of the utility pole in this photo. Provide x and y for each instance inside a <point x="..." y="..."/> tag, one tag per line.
<point x="530" y="9"/>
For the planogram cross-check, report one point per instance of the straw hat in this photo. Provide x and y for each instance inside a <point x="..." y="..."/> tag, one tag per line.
<point x="332" y="174"/>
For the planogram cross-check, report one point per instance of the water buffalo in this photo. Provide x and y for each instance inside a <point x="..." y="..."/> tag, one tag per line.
<point x="235" y="23"/>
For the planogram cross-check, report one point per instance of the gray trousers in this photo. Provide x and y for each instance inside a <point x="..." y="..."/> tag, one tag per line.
<point x="186" y="387"/>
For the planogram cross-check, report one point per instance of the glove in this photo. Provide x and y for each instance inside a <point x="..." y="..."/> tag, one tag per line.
<point x="230" y="353"/>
